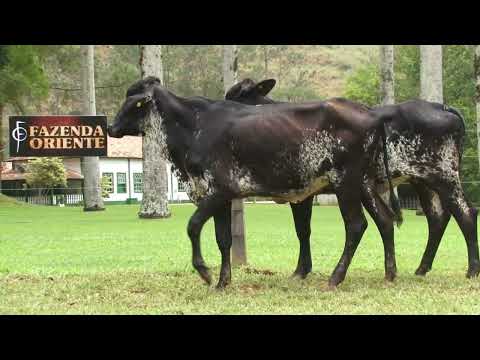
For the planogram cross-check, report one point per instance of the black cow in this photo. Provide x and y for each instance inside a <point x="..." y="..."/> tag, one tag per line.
<point x="425" y="148"/>
<point x="226" y="150"/>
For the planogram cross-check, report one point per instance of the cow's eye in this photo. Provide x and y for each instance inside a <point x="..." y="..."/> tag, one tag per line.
<point x="139" y="104"/>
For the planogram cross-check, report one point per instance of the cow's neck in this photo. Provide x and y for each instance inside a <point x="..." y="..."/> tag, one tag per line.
<point x="171" y="127"/>
<point x="174" y="109"/>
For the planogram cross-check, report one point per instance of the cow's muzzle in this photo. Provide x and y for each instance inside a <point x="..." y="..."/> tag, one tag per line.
<point x="112" y="132"/>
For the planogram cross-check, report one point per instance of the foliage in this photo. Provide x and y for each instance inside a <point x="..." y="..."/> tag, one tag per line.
<point x="46" y="173"/>
<point x="21" y="75"/>
<point x="111" y="262"/>
<point x="106" y="186"/>
<point x="364" y="85"/>
<point x="459" y="92"/>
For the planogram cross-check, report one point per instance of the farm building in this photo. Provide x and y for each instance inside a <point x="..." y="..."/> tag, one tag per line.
<point x="123" y="166"/>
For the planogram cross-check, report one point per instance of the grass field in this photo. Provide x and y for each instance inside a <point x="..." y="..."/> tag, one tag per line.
<point x="64" y="261"/>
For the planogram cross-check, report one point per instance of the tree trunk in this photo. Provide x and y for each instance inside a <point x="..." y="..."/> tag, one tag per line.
<point x="239" y="252"/>
<point x="387" y="76"/>
<point x="431" y="73"/>
<point x="477" y="95"/>
<point x="3" y="146"/>
<point x="155" y="179"/>
<point x="431" y="78"/>
<point x="265" y="59"/>
<point x="92" y="191"/>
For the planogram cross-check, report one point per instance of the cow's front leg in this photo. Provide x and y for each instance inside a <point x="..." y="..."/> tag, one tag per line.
<point x="302" y="215"/>
<point x="349" y="201"/>
<point x="223" y="234"/>
<point x="206" y="209"/>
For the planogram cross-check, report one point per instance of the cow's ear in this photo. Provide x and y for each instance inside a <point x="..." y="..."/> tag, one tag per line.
<point x="234" y="92"/>
<point x="264" y="87"/>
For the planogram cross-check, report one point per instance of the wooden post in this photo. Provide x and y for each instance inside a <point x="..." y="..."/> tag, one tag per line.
<point x="239" y="252"/>
<point x="239" y="249"/>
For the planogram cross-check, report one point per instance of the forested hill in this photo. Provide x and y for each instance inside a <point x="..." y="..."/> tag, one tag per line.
<point x="303" y="72"/>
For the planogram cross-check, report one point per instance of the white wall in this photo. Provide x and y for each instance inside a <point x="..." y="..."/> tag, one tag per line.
<point x="173" y="193"/>
<point x="113" y="165"/>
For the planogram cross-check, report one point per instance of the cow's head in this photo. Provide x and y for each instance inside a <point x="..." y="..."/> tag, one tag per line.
<point x="130" y="119"/>
<point x="251" y="93"/>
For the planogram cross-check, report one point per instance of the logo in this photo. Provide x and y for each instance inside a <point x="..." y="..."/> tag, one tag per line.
<point x="61" y="135"/>
<point x="19" y="134"/>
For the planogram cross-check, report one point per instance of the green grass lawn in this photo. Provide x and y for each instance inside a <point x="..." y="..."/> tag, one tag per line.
<point x="64" y="261"/>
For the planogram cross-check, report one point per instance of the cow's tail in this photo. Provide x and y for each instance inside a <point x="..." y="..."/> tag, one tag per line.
<point x="461" y="139"/>
<point x="394" y="203"/>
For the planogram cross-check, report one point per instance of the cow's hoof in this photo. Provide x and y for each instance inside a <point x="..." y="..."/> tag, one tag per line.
<point x="221" y="286"/>
<point x="473" y="271"/>
<point x="337" y="276"/>
<point x="422" y="270"/>
<point x="299" y="275"/>
<point x="204" y="273"/>
<point x="331" y="287"/>
<point x="390" y="276"/>
<point x="335" y="280"/>
<point x="223" y="283"/>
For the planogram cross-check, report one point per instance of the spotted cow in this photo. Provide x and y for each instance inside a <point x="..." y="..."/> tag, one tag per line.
<point x="424" y="142"/>
<point x="226" y="150"/>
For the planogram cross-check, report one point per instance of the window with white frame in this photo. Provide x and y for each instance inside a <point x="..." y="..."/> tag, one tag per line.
<point x="110" y="177"/>
<point x="121" y="183"/>
<point x="137" y="183"/>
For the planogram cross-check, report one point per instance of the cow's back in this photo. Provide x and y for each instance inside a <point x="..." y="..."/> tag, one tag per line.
<point x="421" y="117"/>
<point x="281" y="147"/>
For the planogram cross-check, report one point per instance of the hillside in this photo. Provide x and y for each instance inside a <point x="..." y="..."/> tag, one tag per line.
<point x="326" y="66"/>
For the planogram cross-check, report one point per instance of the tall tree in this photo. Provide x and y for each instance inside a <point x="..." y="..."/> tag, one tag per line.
<point x="155" y="180"/>
<point x="239" y="252"/>
<point x="92" y="188"/>
<point x="477" y="95"/>
<point x="387" y="76"/>
<point x="431" y="73"/>
<point x="431" y="78"/>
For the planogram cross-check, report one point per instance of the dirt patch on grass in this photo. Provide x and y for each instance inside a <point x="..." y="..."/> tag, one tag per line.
<point x="261" y="272"/>
<point x="250" y="288"/>
<point x="139" y="290"/>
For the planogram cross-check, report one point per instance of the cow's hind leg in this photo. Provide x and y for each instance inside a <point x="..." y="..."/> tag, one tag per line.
<point x="223" y="233"/>
<point x="437" y="217"/>
<point x="349" y="201"/>
<point x="383" y="218"/>
<point x="206" y="209"/>
<point x="453" y="197"/>
<point x="302" y="215"/>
